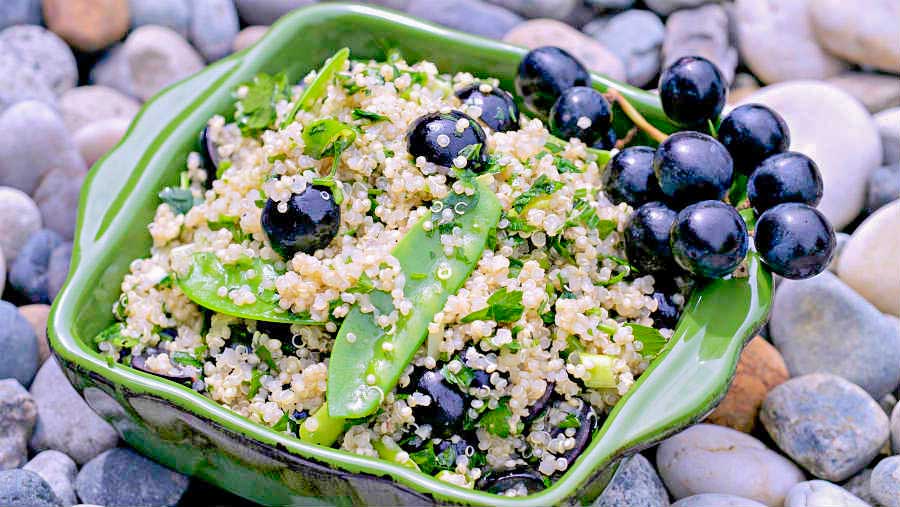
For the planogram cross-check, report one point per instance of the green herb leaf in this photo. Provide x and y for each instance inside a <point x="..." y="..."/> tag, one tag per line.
<point x="571" y="421"/>
<point x="470" y="151"/>
<point x="364" y="285"/>
<point x="362" y="114"/>
<point x="652" y="339"/>
<point x="515" y="267"/>
<point x="496" y="421"/>
<point x="564" y="165"/>
<point x="186" y="359"/>
<point x="256" y="111"/>
<point x="181" y="200"/>
<point x="518" y="224"/>
<point x="503" y="307"/>
<point x="265" y="355"/>
<point x="113" y="335"/>
<point x="463" y="378"/>
<point x="255" y="383"/>
<point x="431" y="463"/>
<point x="327" y="138"/>
<point x="542" y="186"/>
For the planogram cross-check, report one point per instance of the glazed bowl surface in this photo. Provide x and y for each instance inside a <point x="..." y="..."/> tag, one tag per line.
<point x="192" y="434"/>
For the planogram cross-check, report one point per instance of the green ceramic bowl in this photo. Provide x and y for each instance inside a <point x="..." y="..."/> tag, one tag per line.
<point x="194" y="435"/>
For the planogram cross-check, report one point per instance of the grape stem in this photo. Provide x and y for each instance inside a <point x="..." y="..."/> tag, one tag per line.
<point x="635" y="116"/>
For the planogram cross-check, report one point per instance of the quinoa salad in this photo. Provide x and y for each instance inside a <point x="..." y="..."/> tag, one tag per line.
<point x="399" y="264"/>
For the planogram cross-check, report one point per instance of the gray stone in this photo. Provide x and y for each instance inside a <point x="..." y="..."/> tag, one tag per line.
<point x="28" y="274"/>
<point x="707" y="458"/>
<point x="870" y="264"/>
<point x="841" y="239"/>
<point x="863" y="32"/>
<point x="214" y="25"/>
<point x="18" y="346"/>
<point x="554" y="9"/>
<point x="65" y="422"/>
<point x="636" y="37"/>
<point x="18" y="83"/>
<point x="888" y="122"/>
<point x="44" y="52"/>
<point x="828" y="425"/>
<point x="122" y="477"/>
<point x="666" y="7"/>
<point x="97" y="138"/>
<point x="809" y="108"/>
<point x="467" y="15"/>
<point x="611" y="5"/>
<point x="19" y="218"/>
<point x="883" y="186"/>
<point x="265" y="12"/>
<point x="57" y="198"/>
<point x="777" y="43"/>
<point x="822" y="325"/>
<point x="876" y="91"/>
<point x="22" y="488"/>
<point x="59" y="471"/>
<point x="113" y="71"/>
<point x="157" y="57"/>
<point x="2" y="271"/>
<point x="174" y="14"/>
<point x="716" y="500"/>
<point x="34" y="140"/>
<point x="859" y="485"/>
<point x="84" y="105"/>
<point x="248" y="36"/>
<point x="818" y="493"/>
<point x="20" y="12"/>
<point x="635" y="484"/>
<point x="17" y="416"/>
<point x="885" y="482"/>
<point x="895" y="429"/>
<point x="701" y="32"/>
<point x="58" y="270"/>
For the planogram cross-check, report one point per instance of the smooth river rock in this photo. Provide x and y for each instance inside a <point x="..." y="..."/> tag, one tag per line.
<point x="809" y="108"/>
<point x="87" y="104"/>
<point x="23" y="488"/>
<point x="157" y="57"/>
<point x="701" y="32"/>
<point x="821" y="493"/>
<point x="885" y="482"/>
<point x="870" y="263"/>
<point x="265" y="12"/>
<point x="175" y="14"/>
<point x="895" y="429"/>
<point x="716" y="500"/>
<point x="19" y="219"/>
<point x="88" y="25"/>
<point x="713" y="459"/>
<point x="828" y="425"/>
<point x="862" y="31"/>
<point x="472" y="16"/>
<point x="636" y="484"/>
<point x="58" y="470"/>
<point x="876" y="91"/>
<point x="17" y="415"/>
<point x="888" y="122"/>
<point x="636" y="37"/>
<point x="43" y="52"/>
<point x="122" y="477"/>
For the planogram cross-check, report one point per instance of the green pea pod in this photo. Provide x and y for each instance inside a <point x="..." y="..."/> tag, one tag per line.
<point x="327" y="138"/>
<point x="207" y="275"/>
<point x="366" y="360"/>
<point x="318" y="86"/>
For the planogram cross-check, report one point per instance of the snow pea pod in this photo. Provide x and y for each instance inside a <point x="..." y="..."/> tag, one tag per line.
<point x="319" y="85"/>
<point x="207" y="275"/>
<point x="366" y="360"/>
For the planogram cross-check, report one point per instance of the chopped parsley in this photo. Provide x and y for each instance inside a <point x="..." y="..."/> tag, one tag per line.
<point x="255" y="383"/>
<point x="651" y="338"/>
<point x="543" y="186"/>
<point x="362" y="114"/>
<point x="181" y="200"/>
<point x="496" y="421"/>
<point x="113" y="335"/>
<point x="186" y="359"/>
<point x="431" y="463"/>
<point x="571" y="421"/>
<point x="266" y="356"/>
<point x="515" y="267"/>
<point x="463" y="378"/>
<point x="564" y="165"/>
<point x="256" y="111"/>
<point x="502" y="307"/>
<point x="364" y="285"/>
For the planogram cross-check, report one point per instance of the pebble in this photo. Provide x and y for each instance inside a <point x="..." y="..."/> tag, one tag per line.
<point x="743" y="85"/>
<point x="713" y="459"/>
<point x="34" y="140"/>
<point x="83" y="105"/>
<point x="65" y="423"/>
<point x="214" y="25"/>
<point x="636" y="484"/>
<point x="885" y="482"/>
<point x="248" y="36"/>
<point x="820" y="493"/>
<point x="97" y="138"/>
<point x="19" y="219"/>
<point x="666" y="7"/>
<point x="611" y="5"/>
<point x="18" y="83"/>
<point x="157" y="57"/>
<point x="759" y="369"/>
<point x="549" y="32"/>
<point x="777" y="43"/>
<point x="863" y="32"/>
<point x="701" y="32"/>
<point x="23" y="488"/>
<point x="554" y="9"/>
<point x="471" y="16"/>
<point x="59" y="471"/>
<point x="870" y="264"/>
<point x="42" y="51"/>
<point x="822" y="325"/>
<point x="17" y="415"/>
<point x="20" y="12"/>
<point x="716" y="500"/>
<point x="828" y="425"/>
<point x="28" y="274"/>
<point x="88" y="25"/>
<point x="895" y="429"/>
<point x="840" y="241"/>
<point x="876" y="91"/>
<point x="36" y="315"/>
<point x="58" y="269"/>
<point x="174" y="14"/>
<point x="110" y="478"/>
<point x="883" y="186"/>
<point x="809" y="108"/>
<point x="859" y="485"/>
<point x="888" y="123"/>
<point x="113" y="71"/>
<point x="265" y="12"/>
<point x="18" y="346"/>
<point x="57" y="198"/>
<point x="636" y="37"/>
<point x="2" y="271"/>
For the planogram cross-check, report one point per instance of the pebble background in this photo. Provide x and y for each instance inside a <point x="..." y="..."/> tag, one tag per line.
<point x="811" y="419"/>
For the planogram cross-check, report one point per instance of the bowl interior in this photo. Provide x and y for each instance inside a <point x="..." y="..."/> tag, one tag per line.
<point x="120" y="198"/>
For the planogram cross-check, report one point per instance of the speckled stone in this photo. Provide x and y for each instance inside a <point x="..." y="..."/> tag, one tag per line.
<point x="113" y="71"/>
<point x="666" y="7"/>
<point x="214" y="25"/>
<point x="635" y="484"/>
<point x="87" y="104"/>
<point x="19" y="219"/>
<point x="265" y="12"/>
<point x="157" y="57"/>
<point x="470" y="16"/>
<point x="859" y="485"/>
<point x="20" y="12"/>
<point x="821" y="493"/>
<point x="888" y="122"/>
<point x="97" y="138"/>
<point x="28" y="275"/>
<point x="885" y="482"/>
<point x="36" y="315"/>
<point x="702" y="31"/>
<point x="828" y="425"/>
<point x="555" y="9"/>
<point x="636" y="37"/>
<point x="58" y="269"/>
<point x="17" y="416"/>
<point x="42" y="51"/>
<point x="174" y="14"/>
<point x="863" y="31"/>
<point x="895" y="429"/>
<point x="22" y="488"/>
<point x="876" y="91"/>
<point x="716" y="500"/>
<point x="58" y="470"/>
<point x="57" y="198"/>
<point x="18" y="83"/>
<point x="870" y="264"/>
<point x="122" y="477"/>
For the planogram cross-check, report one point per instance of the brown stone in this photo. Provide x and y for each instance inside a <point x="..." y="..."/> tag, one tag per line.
<point x="759" y="370"/>
<point x="88" y="25"/>
<point x="36" y="315"/>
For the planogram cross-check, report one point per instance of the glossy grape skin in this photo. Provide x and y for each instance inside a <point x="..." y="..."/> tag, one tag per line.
<point x="692" y="167"/>
<point x="794" y="240"/>
<point x="210" y="156"/>
<point x="498" y="109"/>
<point x="667" y="312"/>
<point x="606" y="142"/>
<point x="647" y="238"/>
<point x="629" y="177"/>
<point x="447" y="409"/>
<point x="311" y="221"/>
<point x="752" y="133"/>
<point x="422" y="139"/>
<point x="692" y="91"/>
<point x="499" y="482"/>
<point x="786" y="177"/>
<point x="709" y="239"/>
<point x="544" y="74"/>
<point x="575" y="104"/>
